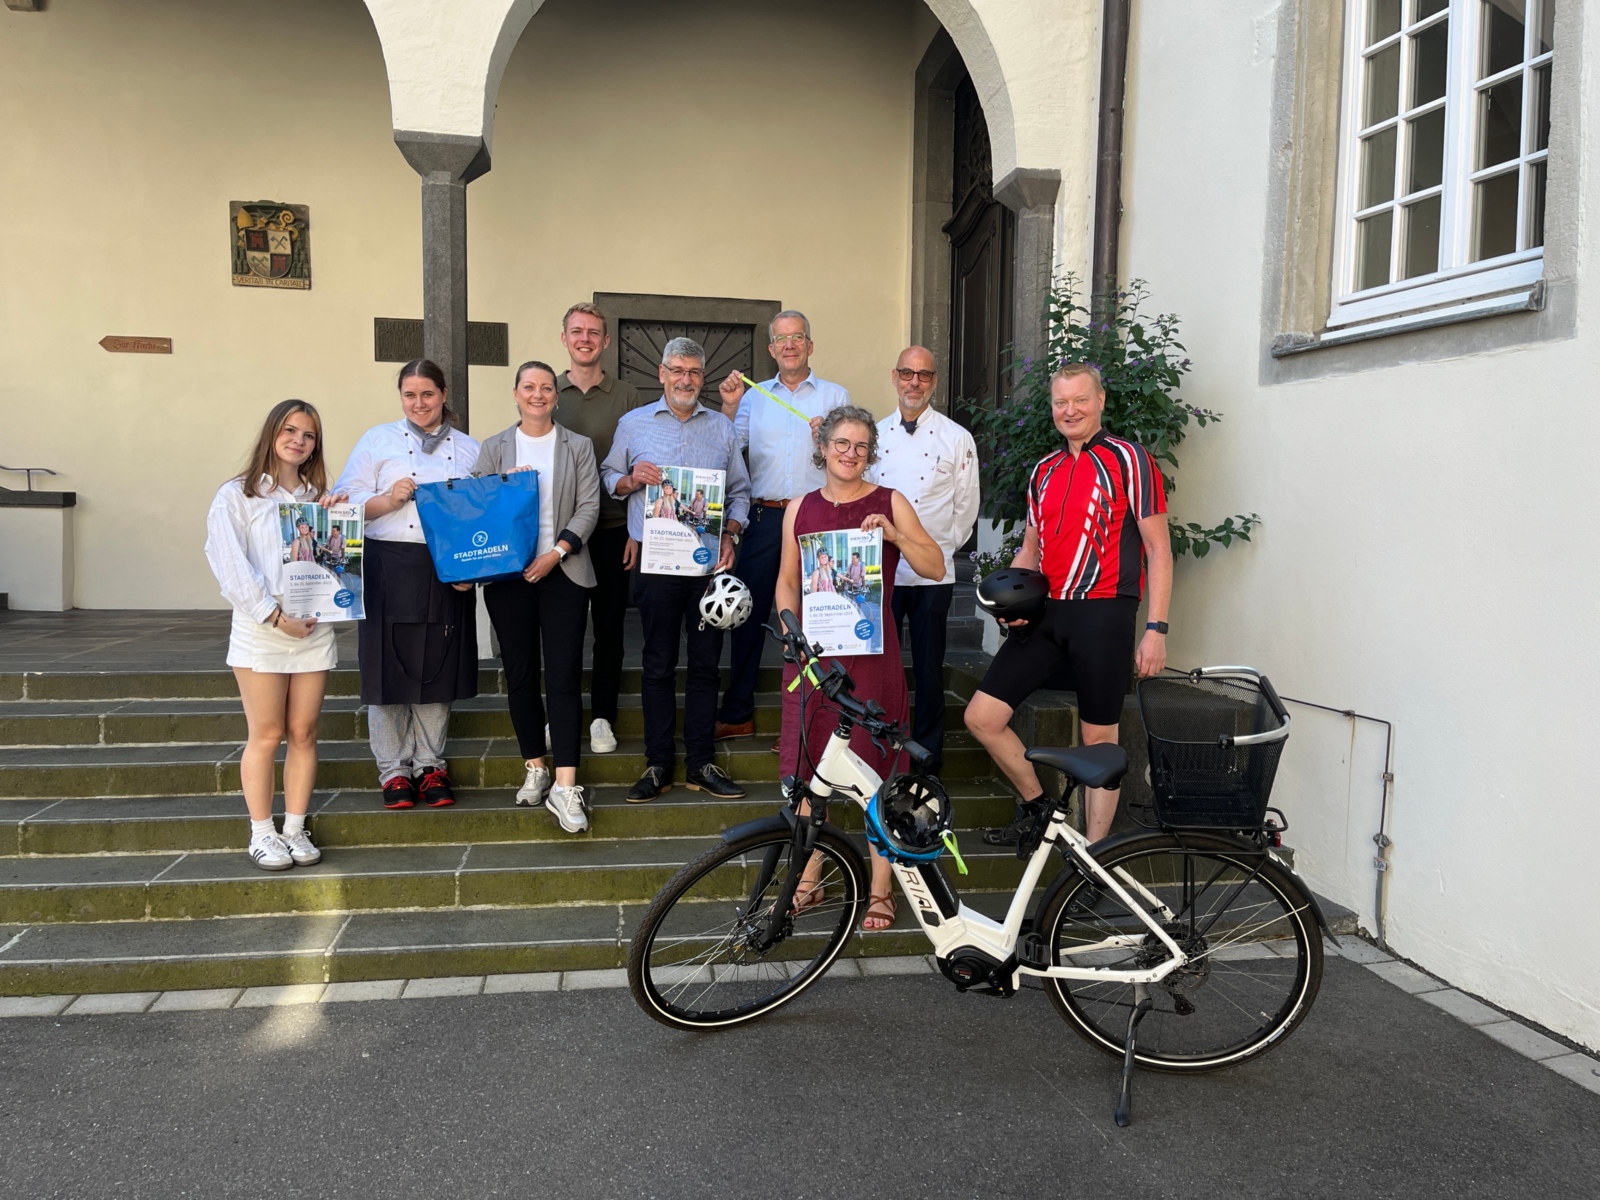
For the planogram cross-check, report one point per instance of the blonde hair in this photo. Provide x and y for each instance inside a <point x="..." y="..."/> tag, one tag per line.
<point x="1073" y="370"/>
<point x="583" y="306"/>
<point x="263" y="459"/>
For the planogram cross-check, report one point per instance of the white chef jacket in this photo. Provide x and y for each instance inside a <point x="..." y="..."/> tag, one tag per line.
<point x="388" y="453"/>
<point x="244" y="545"/>
<point x="936" y="469"/>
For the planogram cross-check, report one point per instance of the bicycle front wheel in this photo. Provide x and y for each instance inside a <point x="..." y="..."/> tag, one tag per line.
<point x="698" y="959"/>
<point x="1246" y="924"/>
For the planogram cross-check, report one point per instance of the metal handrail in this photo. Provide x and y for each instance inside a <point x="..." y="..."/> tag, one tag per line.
<point x="28" y="471"/>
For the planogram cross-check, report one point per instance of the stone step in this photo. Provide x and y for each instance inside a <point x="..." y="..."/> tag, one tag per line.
<point x="125" y="956"/>
<point x="207" y="884"/>
<point x="43" y="723"/>
<point x="173" y="824"/>
<point x="177" y="770"/>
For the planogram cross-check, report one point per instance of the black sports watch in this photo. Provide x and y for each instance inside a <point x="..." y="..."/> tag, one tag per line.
<point x="1158" y="626"/>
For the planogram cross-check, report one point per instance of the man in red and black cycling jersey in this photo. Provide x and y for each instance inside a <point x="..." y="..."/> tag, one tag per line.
<point x="1096" y="521"/>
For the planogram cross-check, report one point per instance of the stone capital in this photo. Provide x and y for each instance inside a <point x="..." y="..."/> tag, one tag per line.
<point x="456" y="157"/>
<point x="1025" y="188"/>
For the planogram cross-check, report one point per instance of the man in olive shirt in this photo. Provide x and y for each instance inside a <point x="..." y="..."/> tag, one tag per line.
<point x="590" y="402"/>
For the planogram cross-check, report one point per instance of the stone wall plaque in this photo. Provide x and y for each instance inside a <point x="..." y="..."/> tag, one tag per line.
<point x="271" y="244"/>
<point x="399" y="339"/>
<point x="118" y="344"/>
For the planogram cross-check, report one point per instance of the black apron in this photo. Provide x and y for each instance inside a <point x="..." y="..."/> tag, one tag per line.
<point x="419" y="641"/>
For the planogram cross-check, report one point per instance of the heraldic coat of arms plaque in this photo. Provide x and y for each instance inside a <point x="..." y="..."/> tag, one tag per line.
<point x="271" y="244"/>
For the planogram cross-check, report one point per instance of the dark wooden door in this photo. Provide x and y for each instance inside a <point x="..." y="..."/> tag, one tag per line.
<point x="982" y="251"/>
<point x="728" y="348"/>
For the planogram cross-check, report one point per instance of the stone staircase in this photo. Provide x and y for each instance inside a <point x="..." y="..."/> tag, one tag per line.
<point x="122" y="832"/>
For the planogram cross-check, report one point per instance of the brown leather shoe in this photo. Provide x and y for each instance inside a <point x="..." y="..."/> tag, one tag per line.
<point x="724" y="731"/>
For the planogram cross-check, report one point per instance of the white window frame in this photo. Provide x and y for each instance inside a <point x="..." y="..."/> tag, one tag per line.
<point x="1459" y="283"/>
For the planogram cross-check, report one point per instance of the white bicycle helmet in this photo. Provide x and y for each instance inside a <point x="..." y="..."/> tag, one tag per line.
<point x="726" y="604"/>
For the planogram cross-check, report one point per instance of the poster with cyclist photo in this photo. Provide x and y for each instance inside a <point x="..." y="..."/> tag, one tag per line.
<point x="322" y="561"/>
<point x="841" y="590"/>
<point x="682" y="522"/>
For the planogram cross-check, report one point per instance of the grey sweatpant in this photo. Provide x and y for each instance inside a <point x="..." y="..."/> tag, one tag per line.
<point x="407" y="739"/>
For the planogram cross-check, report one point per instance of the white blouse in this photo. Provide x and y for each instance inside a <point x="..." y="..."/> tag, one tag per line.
<point x="244" y="545"/>
<point x="389" y="453"/>
<point x="540" y="454"/>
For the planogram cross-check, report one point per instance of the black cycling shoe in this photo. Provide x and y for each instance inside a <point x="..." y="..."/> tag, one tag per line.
<point x="1010" y="835"/>
<point x="652" y="783"/>
<point x="710" y="778"/>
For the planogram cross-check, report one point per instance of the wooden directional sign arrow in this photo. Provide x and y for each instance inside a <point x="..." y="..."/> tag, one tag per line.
<point x="136" y="345"/>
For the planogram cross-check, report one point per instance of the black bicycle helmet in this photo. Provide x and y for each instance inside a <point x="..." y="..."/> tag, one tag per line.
<point x="908" y="818"/>
<point x="1014" y="594"/>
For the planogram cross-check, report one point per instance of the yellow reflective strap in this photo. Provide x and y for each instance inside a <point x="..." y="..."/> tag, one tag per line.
<point x="775" y="399"/>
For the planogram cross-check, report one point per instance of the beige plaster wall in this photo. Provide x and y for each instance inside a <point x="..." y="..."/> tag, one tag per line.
<point x="717" y="148"/>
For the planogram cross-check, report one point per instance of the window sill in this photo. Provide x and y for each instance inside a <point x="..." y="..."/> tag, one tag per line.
<point x="1529" y="299"/>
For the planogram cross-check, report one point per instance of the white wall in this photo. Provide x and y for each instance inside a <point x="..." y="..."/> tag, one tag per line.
<point x="1422" y="557"/>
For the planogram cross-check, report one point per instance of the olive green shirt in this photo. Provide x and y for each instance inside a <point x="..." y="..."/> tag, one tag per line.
<point x="595" y="414"/>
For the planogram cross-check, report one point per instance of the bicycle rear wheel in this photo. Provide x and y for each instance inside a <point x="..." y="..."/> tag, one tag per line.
<point x="1246" y="923"/>
<point x="695" y="962"/>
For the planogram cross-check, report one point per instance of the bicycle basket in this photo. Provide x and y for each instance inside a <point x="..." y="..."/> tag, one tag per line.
<point x="1201" y="777"/>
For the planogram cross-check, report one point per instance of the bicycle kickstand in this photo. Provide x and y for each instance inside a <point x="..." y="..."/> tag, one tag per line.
<point x="1142" y="1005"/>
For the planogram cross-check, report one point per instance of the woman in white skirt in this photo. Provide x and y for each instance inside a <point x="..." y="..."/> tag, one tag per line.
<point x="281" y="662"/>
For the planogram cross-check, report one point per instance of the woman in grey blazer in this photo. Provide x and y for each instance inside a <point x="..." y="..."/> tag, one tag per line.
<point x="550" y="603"/>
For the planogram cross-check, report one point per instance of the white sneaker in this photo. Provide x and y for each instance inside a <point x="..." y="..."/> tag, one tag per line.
<point x="601" y="739"/>
<point x="566" y="805"/>
<point x="300" y="849"/>
<point x="270" y="852"/>
<point x="534" y="787"/>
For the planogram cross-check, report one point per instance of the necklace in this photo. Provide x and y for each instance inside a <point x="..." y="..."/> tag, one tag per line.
<point x="851" y="500"/>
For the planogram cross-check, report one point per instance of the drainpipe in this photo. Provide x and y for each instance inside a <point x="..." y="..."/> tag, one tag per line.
<point x="1108" y="162"/>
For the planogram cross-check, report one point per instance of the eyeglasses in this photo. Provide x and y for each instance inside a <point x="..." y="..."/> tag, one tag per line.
<point x="906" y="375"/>
<point x="845" y="445"/>
<point x="686" y="372"/>
<point x="784" y="339"/>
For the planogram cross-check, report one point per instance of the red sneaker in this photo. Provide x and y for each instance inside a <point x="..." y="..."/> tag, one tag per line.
<point x="435" y="789"/>
<point x="399" y="793"/>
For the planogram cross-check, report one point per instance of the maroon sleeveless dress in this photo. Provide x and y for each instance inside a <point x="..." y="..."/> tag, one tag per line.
<point x="880" y="677"/>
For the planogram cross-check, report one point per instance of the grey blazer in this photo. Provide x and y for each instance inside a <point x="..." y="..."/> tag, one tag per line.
<point x="575" y="494"/>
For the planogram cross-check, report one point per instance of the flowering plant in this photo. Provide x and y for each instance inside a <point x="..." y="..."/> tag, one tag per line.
<point x="1142" y="365"/>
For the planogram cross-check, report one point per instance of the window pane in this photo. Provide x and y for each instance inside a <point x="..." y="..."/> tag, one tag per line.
<point x="1495" y="216"/>
<point x="1377" y="168"/>
<point x="1547" y="23"/>
<point x="1430" y="63"/>
<point x="1383" y="85"/>
<point x="1536" y="204"/>
<point x="1372" y="261"/>
<point x="1426" y="8"/>
<point x="1422" y="238"/>
<point x="1502" y="35"/>
<point x="1427" y="152"/>
<point x="1383" y="18"/>
<point x="1541" y="108"/>
<point x="1500" y="123"/>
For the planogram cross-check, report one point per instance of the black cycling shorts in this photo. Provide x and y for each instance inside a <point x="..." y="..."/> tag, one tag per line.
<point x="1093" y="639"/>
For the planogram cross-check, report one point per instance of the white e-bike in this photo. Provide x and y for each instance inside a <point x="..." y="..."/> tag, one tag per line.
<point x="1182" y="950"/>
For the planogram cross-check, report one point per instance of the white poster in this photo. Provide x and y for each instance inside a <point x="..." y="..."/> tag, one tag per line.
<point x="322" y="561"/>
<point x="682" y="522"/>
<point x="841" y="590"/>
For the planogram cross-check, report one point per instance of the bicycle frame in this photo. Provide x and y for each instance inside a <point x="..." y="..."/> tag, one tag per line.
<point x="842" y="773"/>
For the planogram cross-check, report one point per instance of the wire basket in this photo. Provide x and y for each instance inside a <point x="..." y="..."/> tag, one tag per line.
<point x="1201" y="775"/>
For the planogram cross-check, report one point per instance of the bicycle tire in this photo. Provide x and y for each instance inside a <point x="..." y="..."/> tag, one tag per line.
<point x="702" y="913"/>
<point x="1249" y="924"/>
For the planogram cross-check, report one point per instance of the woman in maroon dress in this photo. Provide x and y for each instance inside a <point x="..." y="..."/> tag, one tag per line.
<point x="847" y="442"/>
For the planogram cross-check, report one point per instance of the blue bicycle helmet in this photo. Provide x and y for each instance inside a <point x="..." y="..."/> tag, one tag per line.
<point x="908" y="818"/>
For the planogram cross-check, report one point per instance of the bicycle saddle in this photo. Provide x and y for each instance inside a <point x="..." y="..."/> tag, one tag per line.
<point x="1100" y="766"/>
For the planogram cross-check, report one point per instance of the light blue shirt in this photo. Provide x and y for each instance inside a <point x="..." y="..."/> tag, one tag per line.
<point x="706" y="440"/>
<point x="779" y="442"/>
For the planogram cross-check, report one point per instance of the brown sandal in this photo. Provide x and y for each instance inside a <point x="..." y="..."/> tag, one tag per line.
<point x="879" y="908"/>
<point x="808" y="893"/>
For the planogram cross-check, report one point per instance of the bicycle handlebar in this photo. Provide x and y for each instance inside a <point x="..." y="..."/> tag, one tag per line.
<point x="1267" y="690"/>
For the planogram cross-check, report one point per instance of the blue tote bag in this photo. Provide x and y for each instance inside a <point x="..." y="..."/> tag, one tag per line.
<point x="481" y="530"/>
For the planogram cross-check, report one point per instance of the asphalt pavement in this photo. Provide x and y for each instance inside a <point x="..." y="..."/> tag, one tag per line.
<point x="889" y="1087"/>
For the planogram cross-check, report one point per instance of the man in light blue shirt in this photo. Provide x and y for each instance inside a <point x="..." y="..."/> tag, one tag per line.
<point x="780" y="445"/>
<point x="677" y="431"/>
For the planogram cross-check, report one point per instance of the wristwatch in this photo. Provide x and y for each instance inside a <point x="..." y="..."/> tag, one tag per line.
<point x="561" y="553"/>
<point x="1158" y="626"/>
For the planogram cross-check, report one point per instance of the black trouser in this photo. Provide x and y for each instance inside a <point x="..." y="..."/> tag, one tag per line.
<point x="928" y="609"/>
<point x="760" y="552"/>
<point x="666" y="606"/>
<point x="608" y="603"/>
<point x="524" y="615"/>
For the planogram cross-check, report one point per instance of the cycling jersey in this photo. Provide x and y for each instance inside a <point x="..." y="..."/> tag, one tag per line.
<point x="1087" y="510"/>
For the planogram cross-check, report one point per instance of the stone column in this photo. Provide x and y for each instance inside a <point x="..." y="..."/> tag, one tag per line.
<point x="447" y="163"/>
<point x="1031" y="193"/>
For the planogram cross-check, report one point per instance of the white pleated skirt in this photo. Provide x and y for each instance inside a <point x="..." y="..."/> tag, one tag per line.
<point x="260" y="647"/>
